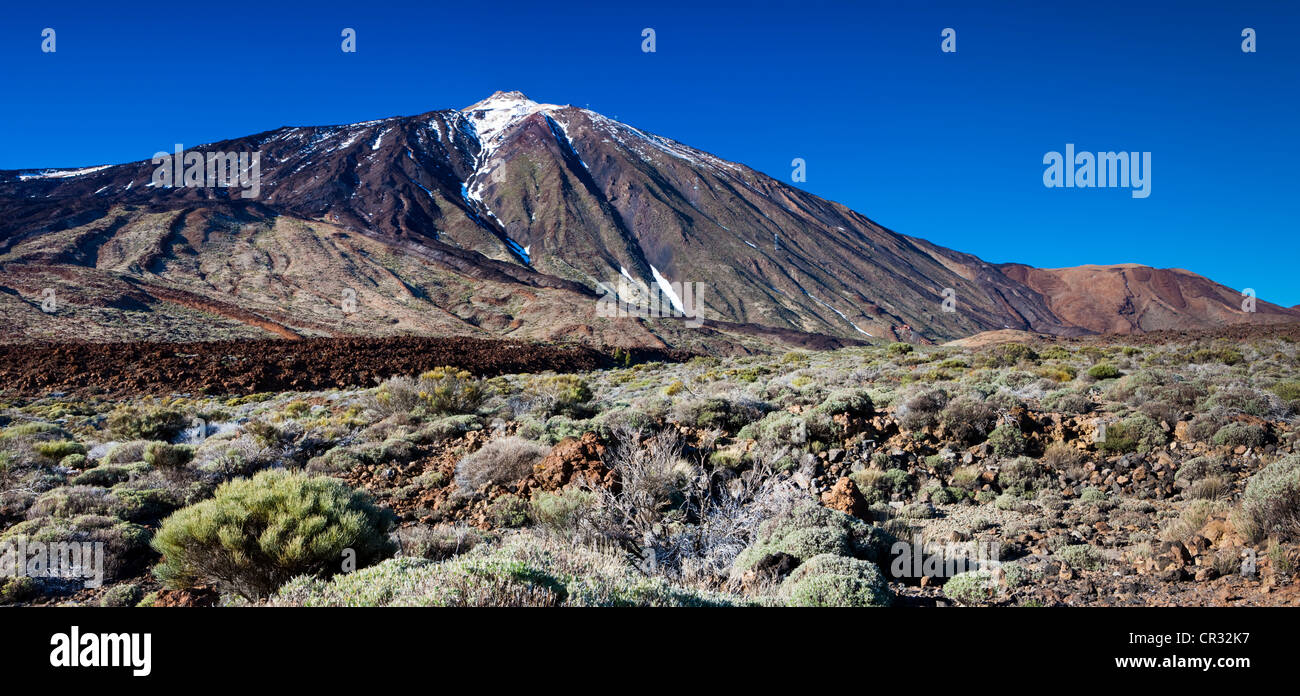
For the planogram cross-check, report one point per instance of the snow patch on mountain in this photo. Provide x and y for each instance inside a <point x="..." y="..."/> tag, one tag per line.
<point x="667" y="289"/>
<point x="855" y="326"/>
<point x="62" y="173"/>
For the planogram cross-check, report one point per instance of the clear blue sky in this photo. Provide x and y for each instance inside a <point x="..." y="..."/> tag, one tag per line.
<point x="947" y="147"/>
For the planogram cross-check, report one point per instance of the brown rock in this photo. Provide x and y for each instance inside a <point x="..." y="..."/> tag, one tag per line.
<point x="571" y="460"/>
<point x="845" y="497"/>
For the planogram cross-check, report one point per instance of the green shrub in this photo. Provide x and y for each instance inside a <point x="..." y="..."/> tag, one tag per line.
<point x="127" y="595"/>
<point x="161" y="455"/>
<point x="811" y="530"/>
<point x="1103" y="371"/>
<point x="854" y="402"/>
<point x="1287" y="391"/>
<point x="561" y="512"/>
<point x="106" y="476"/>
<point x="1199" y="468"/>
<point x="1081" y="556"/>
<point x="1137" y="433"/>
<point x="523" y="570"/>
<point x="439" y="392"/>
<point x="899" y="348"/>
<point x="1010" y="355"/>
<point x="1067" y="401"/>
<point x="1271" y="502"/>
<point x="1227" y="356"/>
<point x="509" y="511"/>
<point x="130" y="422"/>
<point x="561" y="394"/>
<point x="1092" y="495"/>
<point x="1007" y="440"/>
<point x="255" y="534"/>
<point x="1239" y="398"/>
<point x="18" y="589"/>
<point x="830" y="580"/>
<point x="1241" y="435"/>
<point x="59" y="449"/>
<point x="972" y="588"/>
<point x="1022" y="476"/>
<point x="723" y="414"/>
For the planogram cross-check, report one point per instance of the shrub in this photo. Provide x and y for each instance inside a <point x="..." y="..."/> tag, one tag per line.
<point x="107" y="475"/>
<point x="854" y="402"/>
<point x="1271" y="502"/>
<point x="1287" y="391"/>
<point x="811" y="530"/>
<point x="1134" y="434"/>
<point x="899" y="348"/>
<point x="1227" y="356"/>
<point x="1057" y="373"/>
<point x="501" y="461"/>
<point x="73" y="501"/>
<point x="561" y="394"/>
<point x="255" y="534"/>
<point x="968" y="421"/>
<point x="127" y="595"/>
<point x="1199" y="468"/>
<point x="922" y="411"/>
<point x="1241" y="435"/>
<point x="145" y="423"/>
<point x="439" y="392"/>
<point x="562" y="512"/>
<point x="791" y="428"/>
<point x="1061" y="457"/>
<point x="509" y="511"/>
<point x="1092" y="496"/>
<point x="125" y="452"/>
<point x="1007" y="440"/>
<point x="18" y="589"/>
<point x="1081" y="556"/>
<point x="161" y="455"/>
<point x="438" y="543"/>
<point x="58" y="449"/>
<point x="1203" y="427"/>
<point x="1239" y="398"/>
<point x="1103" y="371"/>
<point x="523" y="570"/>
<point x="1022" y="476"/>
<point x="972" y="588"/>
<point x="1010" y="355"/>
<point x="126" y="545"/>
<point x="830" y="580"/>
<point x="723" y="414"/>
<point x="1067" y="401"/>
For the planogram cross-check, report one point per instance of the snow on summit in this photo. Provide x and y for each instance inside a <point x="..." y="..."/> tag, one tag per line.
<point x="493" y="116"/>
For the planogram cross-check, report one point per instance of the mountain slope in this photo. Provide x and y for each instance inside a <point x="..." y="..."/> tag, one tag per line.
<point x="505" y="218"/>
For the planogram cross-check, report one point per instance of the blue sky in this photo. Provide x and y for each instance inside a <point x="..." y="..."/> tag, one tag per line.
<point x="947" y="147"/>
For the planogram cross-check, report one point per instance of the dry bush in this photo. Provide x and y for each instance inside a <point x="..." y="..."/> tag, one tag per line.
<point x="501" y="461"/>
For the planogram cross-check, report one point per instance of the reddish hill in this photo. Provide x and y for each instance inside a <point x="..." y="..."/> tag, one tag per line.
<point x="1128" y="298"/>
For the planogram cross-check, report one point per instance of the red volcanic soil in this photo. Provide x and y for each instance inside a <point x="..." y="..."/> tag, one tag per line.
<point x="245" y="367"/>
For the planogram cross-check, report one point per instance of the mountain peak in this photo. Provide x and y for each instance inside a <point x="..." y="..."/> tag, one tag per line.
<point x="494" y="116"/>
<point x="500" y="99"/>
